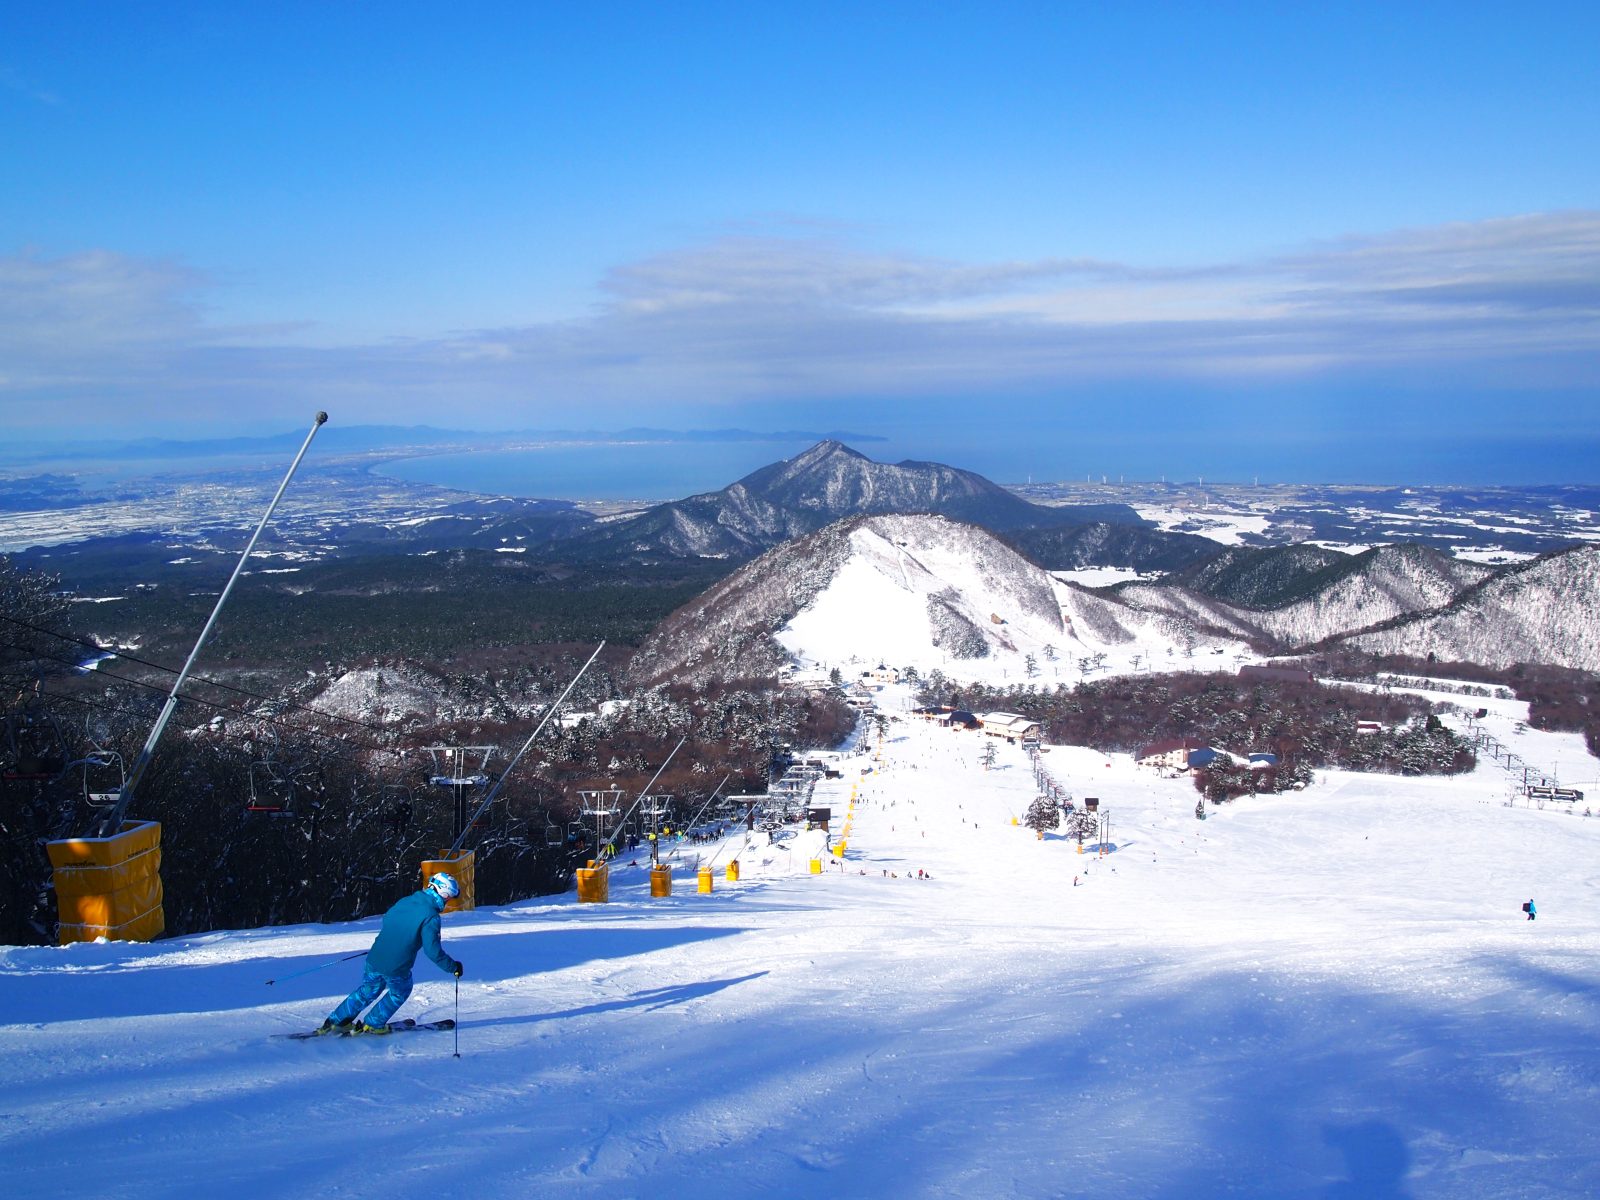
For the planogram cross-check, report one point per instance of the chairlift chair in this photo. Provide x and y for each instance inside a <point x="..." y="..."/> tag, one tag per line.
<point x="271" y="790"/>
<point x="459" y="766"/>
<point x="398" y="802"/>
<point x="99" y="791"/>
<point x="656" y="806"/>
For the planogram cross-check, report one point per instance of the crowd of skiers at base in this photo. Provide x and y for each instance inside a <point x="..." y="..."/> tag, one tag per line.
<point x="410" y="925"/>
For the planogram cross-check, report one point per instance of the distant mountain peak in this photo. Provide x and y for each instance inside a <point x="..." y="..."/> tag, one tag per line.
<point x="823" y="483"/>
<point x="826" y="448"/>
<point x="827" y="455"/>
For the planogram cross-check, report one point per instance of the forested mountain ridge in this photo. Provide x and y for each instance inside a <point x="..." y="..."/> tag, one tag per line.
<point x="1544" y="611"/>
<point x="830" y="481"/>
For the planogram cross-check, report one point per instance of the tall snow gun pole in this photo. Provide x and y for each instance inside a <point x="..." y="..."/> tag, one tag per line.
<point x="455" y="847"/>
<point x="113" y="819"/>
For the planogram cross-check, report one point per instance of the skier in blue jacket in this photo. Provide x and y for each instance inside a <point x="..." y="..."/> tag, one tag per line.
<point x="412" y="924"/>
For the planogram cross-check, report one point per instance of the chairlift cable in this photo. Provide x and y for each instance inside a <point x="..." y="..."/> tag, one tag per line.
<point x="455" y="847"/>
<point x="222" y="708"/>
<point x="90" y="644"/>
<point x="130" y="714"/>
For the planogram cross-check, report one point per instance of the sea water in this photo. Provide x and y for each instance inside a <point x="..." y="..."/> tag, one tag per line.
<point x="671" y="470"/>
<point x="598" y="471"/>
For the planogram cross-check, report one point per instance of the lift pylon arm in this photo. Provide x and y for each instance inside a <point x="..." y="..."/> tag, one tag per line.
<point x="113" y="819"/>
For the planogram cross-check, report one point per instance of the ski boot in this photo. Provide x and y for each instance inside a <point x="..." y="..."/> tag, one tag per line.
<point x="373" y="1030"/>
<point x="331" y="1026"/>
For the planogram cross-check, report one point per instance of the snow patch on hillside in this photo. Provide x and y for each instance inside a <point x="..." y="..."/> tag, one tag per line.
<point x="1227" y="528"/>
<point x="1100" y="577"/>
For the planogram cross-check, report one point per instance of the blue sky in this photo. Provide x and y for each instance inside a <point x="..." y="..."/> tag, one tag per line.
<point x="1262" y="230"/>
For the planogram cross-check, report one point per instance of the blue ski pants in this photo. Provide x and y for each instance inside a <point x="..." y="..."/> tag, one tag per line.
<point x="395" y="989"/>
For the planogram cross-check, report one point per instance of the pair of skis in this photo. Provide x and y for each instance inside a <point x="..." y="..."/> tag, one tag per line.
<point x="405" y="1025"/>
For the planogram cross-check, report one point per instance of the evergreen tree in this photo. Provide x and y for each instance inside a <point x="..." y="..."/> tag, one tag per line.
<point x="1043" y="814"/>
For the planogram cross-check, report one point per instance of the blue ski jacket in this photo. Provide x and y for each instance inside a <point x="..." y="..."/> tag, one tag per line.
<point x="412" y="924"/>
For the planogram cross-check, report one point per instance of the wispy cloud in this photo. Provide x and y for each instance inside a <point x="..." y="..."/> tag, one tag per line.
<point x="755" y="318"/>
<point x="13" y="81"/>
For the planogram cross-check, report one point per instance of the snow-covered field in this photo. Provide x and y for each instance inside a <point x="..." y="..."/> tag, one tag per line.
<point x="1331" y="994"/>
<point x="1224" y="525"/>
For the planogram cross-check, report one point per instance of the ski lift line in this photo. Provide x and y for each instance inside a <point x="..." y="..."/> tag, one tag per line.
<point x="455" y="847"/>
<point x="695" y="819"/>
<point x="599" y="850"/>
<point x="113" y="820"/>
<point x="89" y="644"/>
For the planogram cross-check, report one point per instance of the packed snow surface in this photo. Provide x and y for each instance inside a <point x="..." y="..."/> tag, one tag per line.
<point x="1331" y="994"/>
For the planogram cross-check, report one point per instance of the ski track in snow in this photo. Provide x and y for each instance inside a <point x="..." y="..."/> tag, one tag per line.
<point x="1327" y="994"/>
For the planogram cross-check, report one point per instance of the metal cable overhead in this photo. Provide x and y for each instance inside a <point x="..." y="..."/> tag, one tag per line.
<point x="276" y="722"/>
<point x="90" y="644"/>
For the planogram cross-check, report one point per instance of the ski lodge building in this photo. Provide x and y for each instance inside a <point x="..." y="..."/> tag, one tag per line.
<point x="1170" y="754"/>
<point x="1010" y="726"/>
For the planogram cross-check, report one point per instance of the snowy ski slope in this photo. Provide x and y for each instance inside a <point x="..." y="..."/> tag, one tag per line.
<point x="1329" y="994"/>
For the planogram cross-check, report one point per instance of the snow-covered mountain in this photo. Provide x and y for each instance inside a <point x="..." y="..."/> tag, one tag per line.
<point x="1543" y="611"/>
<point x="904" y="590"/>
<point x="825" y="483"/>
<point x="928" y="592"/>
<point x="1258" y="577"/>
<point x="1350" y="593"/>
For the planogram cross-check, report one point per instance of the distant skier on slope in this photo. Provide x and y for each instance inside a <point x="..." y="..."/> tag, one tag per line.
<point x="1531" y="909"/>
<point x="411" y="924"/>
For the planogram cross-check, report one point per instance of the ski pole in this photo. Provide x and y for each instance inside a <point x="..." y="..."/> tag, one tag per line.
<point x="319" y="967"/>
<point x="457" y="1025"/>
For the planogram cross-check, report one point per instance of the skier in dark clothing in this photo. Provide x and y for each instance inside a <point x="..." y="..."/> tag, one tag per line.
<point x="412" y="924"/>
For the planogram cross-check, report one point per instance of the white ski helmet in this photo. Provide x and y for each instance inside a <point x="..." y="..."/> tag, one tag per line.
<point x="445" y="885"/>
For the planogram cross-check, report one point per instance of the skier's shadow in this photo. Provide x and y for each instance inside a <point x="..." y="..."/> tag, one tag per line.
<point x="651" y="1000"/>
<point x="1375" y="1157"/>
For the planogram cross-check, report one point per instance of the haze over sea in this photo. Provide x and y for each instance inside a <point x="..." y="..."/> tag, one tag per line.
<point x="667" y="470"/>
<point x="671" y="470"/>
<point x="596" y="471"/>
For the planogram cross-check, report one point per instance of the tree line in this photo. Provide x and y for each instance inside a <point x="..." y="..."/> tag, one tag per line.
<point x="1306" y="725"/>
<point x="344" y="813"/>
